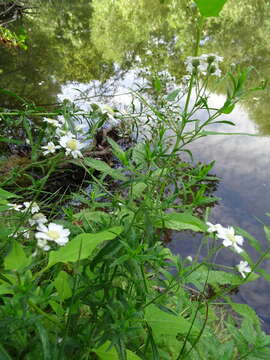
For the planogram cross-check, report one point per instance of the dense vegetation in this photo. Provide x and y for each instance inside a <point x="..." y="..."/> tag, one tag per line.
<point x="89" y="197"/>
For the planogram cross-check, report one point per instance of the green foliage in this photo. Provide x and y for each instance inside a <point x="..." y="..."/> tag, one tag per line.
<point x="82" y="246"/>
<point x="102" y="284"/>
<point x="210" y="7"/>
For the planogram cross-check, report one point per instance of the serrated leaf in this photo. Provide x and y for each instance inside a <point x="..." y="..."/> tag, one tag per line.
<point x="245" y="311"/>
<point x="216" y="277"/>
<point x="210" y="7"/>
<point x="138" y="153"/>
<point x="82" y="246"/>
<point x="181" y="221"/>
<point x="16" y="258"/>
<point x="104" y="168"/>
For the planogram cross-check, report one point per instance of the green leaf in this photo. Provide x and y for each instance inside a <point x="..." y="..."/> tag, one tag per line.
<point x="117" y="151"/>
<point x="82" y="246"/>
<point x="105" y="354"/>
<point x="104" y="168"/>
<point x="62" y="285"/>
<point x="167" y="325"/>
<point x="5" y="289"/>
<point x="11" y="141"/>
<point x="245" y="311"/>
<point x="252" y="240"/>
<point x="138" y="153"/>
<point x="210" y="7"/>
<point x="6" y="194"/>
<point x="46" y="346"/>
<point x="138" y="189"/>
<point x="173" y="95"/>
<point x="157" y="84"/>
<point x="267" y="232"/>
<point x="216" y="277"/>
<point x="92" y="216"/>
<point x="16" y="258"/>
<point x="181" y="221"/>
<point x="205" y="133"/>
<point x="3" y="354"/>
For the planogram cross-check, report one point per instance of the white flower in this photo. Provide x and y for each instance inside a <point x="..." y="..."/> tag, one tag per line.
<point x="42" y="243"/>
<point x="213" y="228"/>
<point x="71" y="145"/>
<point x="26" y="234"/>
<point x="189" y="258"/>
<point x="206" y="63"/>
<point x="79" y="128"/>
<point x="60" y="132"/>
<point x="216" y="72"/>
<point x="211" y="58"/>
<point x="230" y="239"/>
<point x="50" y="148"/>
<point x="15" y="207"/>
<point x="53" y="122"/>
<point x="52" y="232"/>
<point x="38" y="219"/>
<point x="243" y="268"/>
<point x="34" y="207"/>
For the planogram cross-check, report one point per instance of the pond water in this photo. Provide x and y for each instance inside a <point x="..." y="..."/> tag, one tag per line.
<point x="101" y="48"/>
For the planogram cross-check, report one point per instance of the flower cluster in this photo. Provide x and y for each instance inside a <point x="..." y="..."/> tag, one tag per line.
<point x="206" y="64"/>
<point x="44" y="233"/>
<point x="65" y="138"/>
<point x="230" y="239"/>
<point x="33" y="206"/>
<point x="52" y="232"/>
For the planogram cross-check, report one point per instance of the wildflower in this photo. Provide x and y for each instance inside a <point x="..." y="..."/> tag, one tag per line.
<point x="33" y="205"/>
<point x="213" y="228"/>
<point x="50" y="148"/>
<point x="243" y="268"/>
<point x="42" y="244"/>
<point x="192" y="63"/>
<point x="189" y="258"/>
<point x="53" y="122"/>
<point x="60" y="132"/>
<point x="206" y="64"/>
<point x="15" y="207"/>
<point x="230" y="239"/>
<point x="71" y="145"/>
<point x="38" y="219"/>
<point x="52" y="232"/>
<point x="79" y="128"/>
<point x="26" y="234"/>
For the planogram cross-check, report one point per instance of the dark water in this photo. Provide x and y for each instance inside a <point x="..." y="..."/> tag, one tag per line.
<point x="96" y="49"/>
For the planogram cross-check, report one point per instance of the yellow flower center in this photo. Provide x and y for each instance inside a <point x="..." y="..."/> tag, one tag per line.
<point x="53" y="234"/>
<point x="72" y="144"/>
<point x="231" y="237"/>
